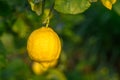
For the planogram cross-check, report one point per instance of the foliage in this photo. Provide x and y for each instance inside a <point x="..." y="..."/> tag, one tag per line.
<point x="90" y="39"/>
<point x="71" y="6"/>
<point x="68" y="6"/>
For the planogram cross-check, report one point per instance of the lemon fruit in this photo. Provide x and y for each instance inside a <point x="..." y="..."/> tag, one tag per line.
<point x="38" y="68"/>
<point x="44" y="45"/>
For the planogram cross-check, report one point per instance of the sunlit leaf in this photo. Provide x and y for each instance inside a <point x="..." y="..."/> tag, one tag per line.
<point x="36" y="5"/>
<point x="8" y="42"/>
<point x="93" y="0"/>
<point x="71" y="6"/>
<point x="20" y="27"/>
<point x="117" y="8"/>
<point x="108" y="3"/>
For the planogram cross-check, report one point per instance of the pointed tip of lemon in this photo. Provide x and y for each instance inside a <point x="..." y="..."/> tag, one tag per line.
<point x="109" y="7"/>
<point x="114" y="1"/>
<point x="37" y="68"/>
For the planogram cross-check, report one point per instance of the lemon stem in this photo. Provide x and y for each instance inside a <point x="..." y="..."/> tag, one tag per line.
<point x="50" y="13"/>
<point x="48" y="20"/>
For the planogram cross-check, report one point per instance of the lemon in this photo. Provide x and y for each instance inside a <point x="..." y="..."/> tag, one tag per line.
<point x="38" y="68"/>
<point x="44" y="45"/>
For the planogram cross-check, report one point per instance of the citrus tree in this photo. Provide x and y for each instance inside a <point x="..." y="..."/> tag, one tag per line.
<point x="59" y="40"/>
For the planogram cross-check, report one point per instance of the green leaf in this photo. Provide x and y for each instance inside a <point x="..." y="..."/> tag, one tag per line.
<point x="93" y="0"/>
<point x="55" y="74"/>
<point x="36" y="5"/>
<point x="116" y="7"/>
<point x="71" y="6"/>
<point x="2" y="48"/>
<point x="8" y="42"/>
<point x="20" y="27"/>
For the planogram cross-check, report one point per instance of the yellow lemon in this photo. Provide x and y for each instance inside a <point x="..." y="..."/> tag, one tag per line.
<point x="38" y="68"/>
<point x="108" y="3"/>
<point x="44" y="45"/>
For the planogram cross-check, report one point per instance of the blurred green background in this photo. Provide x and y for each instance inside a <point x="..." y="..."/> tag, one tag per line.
<point x="90" y="42"/>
